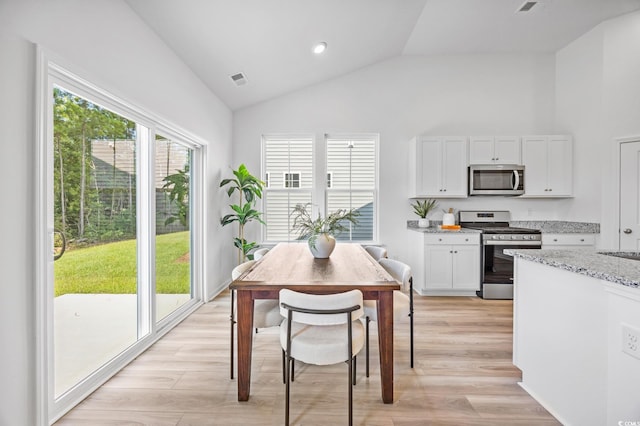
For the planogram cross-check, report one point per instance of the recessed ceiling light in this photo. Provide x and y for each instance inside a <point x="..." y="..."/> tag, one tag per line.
<point x="319" y="48"/>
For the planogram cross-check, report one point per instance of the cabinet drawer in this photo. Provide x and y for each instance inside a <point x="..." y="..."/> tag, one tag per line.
<point x="442" y="238"/>
<point x="568" y="239"/>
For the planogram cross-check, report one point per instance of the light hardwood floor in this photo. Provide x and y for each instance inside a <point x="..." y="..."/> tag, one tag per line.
<point x="463" y="375"/>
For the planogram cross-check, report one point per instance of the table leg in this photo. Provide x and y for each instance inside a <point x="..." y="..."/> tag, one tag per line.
<point x="245" y="341"/>
<point x="385" y="342"/>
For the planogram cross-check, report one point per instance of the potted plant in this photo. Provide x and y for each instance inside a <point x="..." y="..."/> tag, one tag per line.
<point x="321" y="232"/>
<point x="249" y="190"/>
<point x="422" y="209"/>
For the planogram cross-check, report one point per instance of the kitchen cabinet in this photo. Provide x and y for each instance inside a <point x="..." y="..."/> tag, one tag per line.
<point x="494" y="150"/>
<point x="438" y="167"/>
<point x="445" y="264"/>
<point x="548" y="162"/>
<point x="568" y="241"/>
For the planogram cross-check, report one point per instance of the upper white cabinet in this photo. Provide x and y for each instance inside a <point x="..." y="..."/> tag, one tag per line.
<point x="438" y="167"/>
<point x="548" y="162"/>
<point x="494" y="150"/>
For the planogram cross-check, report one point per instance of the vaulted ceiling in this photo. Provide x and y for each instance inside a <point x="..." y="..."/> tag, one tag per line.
<point x="270" y="41"/>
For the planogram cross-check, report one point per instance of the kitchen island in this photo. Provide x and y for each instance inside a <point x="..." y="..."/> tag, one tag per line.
<point x="574" y="313"/>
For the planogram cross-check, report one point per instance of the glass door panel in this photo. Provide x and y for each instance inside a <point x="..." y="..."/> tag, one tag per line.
<point x="95" y="315"/>
<point x="172" y="181"/>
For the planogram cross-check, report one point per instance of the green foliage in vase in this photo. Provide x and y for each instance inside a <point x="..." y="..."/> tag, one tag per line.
<point x="249" y="190"/>
<point x="424" y="207"/>
<point x="333" y="224"/>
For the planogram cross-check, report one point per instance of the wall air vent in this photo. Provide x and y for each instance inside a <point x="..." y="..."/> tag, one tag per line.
<point x="527" y="6"/>
<point x="239" y="79"/>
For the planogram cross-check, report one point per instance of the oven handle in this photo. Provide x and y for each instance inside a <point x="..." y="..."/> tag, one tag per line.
<point x="512" y="243"/>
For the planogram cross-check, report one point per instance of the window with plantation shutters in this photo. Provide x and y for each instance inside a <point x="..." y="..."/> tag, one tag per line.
<point x="351" y="163"/>
<point x="288" y="169"/>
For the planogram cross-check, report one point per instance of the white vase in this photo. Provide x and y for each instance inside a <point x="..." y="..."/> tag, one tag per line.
<point x="323" y="247"/>
<point x="448" y="219"/>
<point x="423" y="223"/>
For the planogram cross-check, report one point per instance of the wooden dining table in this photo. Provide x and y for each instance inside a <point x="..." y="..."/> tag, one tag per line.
<point x="291" y="265"/>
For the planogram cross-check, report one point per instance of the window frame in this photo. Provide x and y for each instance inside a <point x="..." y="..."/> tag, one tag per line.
<point x="271" y="189"/>
<point x="320" y="176"/>
<point x="354" y="137"/>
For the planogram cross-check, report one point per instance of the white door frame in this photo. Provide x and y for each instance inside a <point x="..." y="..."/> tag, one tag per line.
<point x="616" y="184"/>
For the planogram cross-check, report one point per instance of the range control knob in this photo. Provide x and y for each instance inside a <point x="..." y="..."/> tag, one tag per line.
<point x="514" y="237"/>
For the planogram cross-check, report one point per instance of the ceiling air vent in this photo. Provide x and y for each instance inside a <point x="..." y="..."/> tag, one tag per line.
<point x="527" y="6"/>
<point x="239" y="79"/>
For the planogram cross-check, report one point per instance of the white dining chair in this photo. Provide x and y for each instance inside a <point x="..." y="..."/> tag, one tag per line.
<point x="258" y="254"/>
<point x="322" y="330"/>
<point x="266" y="313"/>
<point x="402" y="302"/>
<point x="376" y="252"/>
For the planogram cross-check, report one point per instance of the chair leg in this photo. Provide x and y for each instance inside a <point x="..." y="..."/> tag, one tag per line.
<point x="283" y="367"/>
<point x="367" y="321"/>
<point x="231" y="344"/>
<point x="411" y="318"/>
<point x="355" y="367"/>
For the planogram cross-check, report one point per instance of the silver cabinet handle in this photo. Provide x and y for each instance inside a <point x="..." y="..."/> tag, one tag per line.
<point x="627" y="231"/>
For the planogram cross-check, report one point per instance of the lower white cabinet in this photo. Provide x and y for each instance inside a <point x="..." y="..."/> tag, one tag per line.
<point x="445" y="264"/>
<point x="568" y="241"/>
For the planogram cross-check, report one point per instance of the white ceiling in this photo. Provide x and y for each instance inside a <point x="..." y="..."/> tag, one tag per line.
<point x="270" y="41"/>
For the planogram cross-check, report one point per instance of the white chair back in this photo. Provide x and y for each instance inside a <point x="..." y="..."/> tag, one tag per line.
<point x="257" y="255"/>
<point x="241" y="269"/>
<point x="324" y="302"/>
<point x="376" y="252"/>
<point x="401" y="272"/>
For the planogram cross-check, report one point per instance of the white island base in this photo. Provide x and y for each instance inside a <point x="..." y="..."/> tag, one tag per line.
<point x="568" y="344"/>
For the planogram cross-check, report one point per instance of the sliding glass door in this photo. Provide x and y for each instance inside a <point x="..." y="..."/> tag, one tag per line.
<point x="121" y="202"/>
<point x="173" y="225"/>
<point x="94" y="208"/>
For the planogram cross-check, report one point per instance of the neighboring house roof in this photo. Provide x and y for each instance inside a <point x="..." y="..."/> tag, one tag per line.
<point x="115" y="161"/>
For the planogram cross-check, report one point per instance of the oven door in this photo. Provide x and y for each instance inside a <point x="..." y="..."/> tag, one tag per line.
<point x="497" y="267"/>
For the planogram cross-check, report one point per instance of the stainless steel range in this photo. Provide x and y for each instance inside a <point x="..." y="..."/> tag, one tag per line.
<point x="497" y="268"/>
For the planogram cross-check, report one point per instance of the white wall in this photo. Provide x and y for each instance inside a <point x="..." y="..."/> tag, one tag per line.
<point x="406" y="96"/>
<point x="599" y="100"/>
<point x="106" y="43"/>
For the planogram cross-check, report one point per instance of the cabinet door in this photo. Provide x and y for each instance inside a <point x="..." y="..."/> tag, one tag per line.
<point x="454" y="173"/>
<point x="481" y="150"/>
<point x="466" y="267"/>
<point x="429" y="167"/>
<point x="560" y="166"/>
<point x="438" y="267"/>
<point x="507" y="150"/>
<point x="534" y="156"/>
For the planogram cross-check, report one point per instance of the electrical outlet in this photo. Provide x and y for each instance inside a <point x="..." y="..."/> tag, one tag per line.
<point x="631" y="340"/>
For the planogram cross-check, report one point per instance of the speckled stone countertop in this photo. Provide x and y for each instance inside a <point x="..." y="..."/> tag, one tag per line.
<point x="434" y="228"/>
<point x="545" y="226"/>
<point x="558" y="226"/>
<point x="591" y="263"/>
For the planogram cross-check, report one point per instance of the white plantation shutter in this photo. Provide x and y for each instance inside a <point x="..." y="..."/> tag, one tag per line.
<point x="352" y="165"/>
<point x="282" y="157"/>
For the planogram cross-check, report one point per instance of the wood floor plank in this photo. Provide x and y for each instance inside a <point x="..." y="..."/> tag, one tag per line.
<point x="463" y="375"/>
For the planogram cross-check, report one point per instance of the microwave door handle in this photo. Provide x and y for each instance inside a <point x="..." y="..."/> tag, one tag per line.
<point x="516" y="180"/>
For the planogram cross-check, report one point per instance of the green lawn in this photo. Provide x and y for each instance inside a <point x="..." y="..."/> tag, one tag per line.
<point x="111" y="268"/>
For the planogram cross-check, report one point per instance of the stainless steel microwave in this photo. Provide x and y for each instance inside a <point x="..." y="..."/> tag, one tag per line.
<point x="496" y="179"/>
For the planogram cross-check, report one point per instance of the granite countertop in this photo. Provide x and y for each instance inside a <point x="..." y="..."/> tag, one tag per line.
<point x="558" y="226"/>
<point x="586" y="262"/>
<point x="434" y="228"/>
<point x="545" y="226"/>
